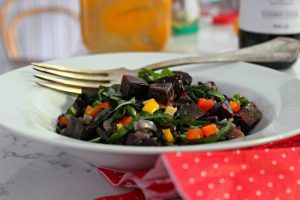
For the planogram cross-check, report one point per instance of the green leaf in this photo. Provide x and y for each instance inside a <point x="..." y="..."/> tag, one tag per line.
<point x="122" y="132"/>
<point x="195" y="92"/>
<point x="166" y="72"/>
<point x="157" y="115"/>
<point x="244" y="101"/>
<point x="216" y="94"/>
<point x="238" y="99"/>
<point x="95" y="140"/>
<point x="151" y="76"/>
<point x="188" y="122"/>
<point x="131" y="110"/>
<point x="71" y="112"/>
<point x="122" y="103"/>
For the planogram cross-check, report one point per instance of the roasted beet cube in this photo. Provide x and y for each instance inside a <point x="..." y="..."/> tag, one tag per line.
<point x="134" y="86"/>
<point x="77" y="129"/>
<point x="189" y="111"/>
<point x="250" y="114"/>
<point x="162" y="92"/>
<point x="176" y="81"/>
<point x="222" y="110"/>
<point x="185" y="77"/>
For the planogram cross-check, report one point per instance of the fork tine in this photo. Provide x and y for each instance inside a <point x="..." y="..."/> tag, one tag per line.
<point x="69" y="82"/>
<point x="87" y="77"/>
<point x="68" y="69"/>
<point x="61" y="88"/>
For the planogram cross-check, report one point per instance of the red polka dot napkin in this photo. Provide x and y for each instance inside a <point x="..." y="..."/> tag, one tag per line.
<point x="270" y="171"/>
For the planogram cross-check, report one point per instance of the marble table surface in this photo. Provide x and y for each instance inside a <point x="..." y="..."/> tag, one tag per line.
<point x="33" y="171"/>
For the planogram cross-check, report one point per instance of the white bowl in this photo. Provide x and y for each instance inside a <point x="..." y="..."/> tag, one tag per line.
<point x="29" y="110"/>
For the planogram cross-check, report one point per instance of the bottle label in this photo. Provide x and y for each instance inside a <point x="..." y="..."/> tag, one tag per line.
<point x="270" y="16"/>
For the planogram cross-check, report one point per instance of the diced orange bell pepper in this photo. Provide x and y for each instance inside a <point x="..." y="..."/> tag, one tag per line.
<point x="126" y="120"/>
<point x="194" y="134"/>
<point x="210" y="129"/>
<point x="94" y="111"/>
<point x="235" y="107"/>
<point x="205" y="104"/>
<point x="63" y="121"/>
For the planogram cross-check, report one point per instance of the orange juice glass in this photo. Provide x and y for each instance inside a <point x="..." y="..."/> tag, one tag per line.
<point x="125" y="25"/>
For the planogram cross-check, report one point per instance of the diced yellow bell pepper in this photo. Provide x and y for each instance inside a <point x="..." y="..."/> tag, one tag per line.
<point x="170" y="110"/>
<point x="119" y="125"/>
<point x="168" y="135"/>
<point x="150" y="106"/>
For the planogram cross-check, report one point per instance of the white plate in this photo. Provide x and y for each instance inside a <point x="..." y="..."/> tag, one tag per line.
<point x="29" y="110"/>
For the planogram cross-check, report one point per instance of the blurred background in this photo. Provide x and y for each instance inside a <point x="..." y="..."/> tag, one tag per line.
<point x="39" y="30"/>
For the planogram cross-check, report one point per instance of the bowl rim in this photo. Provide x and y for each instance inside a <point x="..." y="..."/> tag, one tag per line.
<point x="83" y="145"/>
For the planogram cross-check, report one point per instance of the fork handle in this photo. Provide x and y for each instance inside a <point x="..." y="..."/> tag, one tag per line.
<point x="276" y="50"/>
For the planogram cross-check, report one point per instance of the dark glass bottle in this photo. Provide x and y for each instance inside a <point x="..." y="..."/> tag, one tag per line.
<point x="263" y="20"/>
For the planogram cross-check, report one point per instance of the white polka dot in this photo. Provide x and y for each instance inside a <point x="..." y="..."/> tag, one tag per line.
<point x="283" y="155"/>
<point x="231" y="174"/>
<point x="199" y="193"/>
<point x="203" y="173"/>
<point x="251" y="179"/>
<point x="256" y="156"/>
<point x="226" y="196"/>
<point x="270" y="184"/>
<point x="267" y="150"/>
<point x="211" y="186"/>
<point x="274" y="162"/>
<point x="196" y="160"/>
<point x="178" y="154"/>
<point x="293" y="149"/>
<point x="244" y="166"/>
<point x="185" y="166"/>
<point x="281" y="176"/>
<point x="258" y="193"/>
<point x="292" y="168"/>
<point x="239" y="187"/>
<point x="216" y="166"/>
<point x="222" y="180"/>
<point x="226" y="159"/>
<point x="238" y="151"/>
<point x="288" y="190"/>
<point x="262" y="172"/>
<point x="298" y="182"/>
<point x="208" y="153"/>
<point x="192" y="180"/>
<point x="276" y="198"/>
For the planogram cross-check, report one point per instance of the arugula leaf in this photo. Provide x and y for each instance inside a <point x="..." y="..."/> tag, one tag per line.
<point x="122" y="131"/>
<point x="166" y="72"/>
<point x="95" y="140"/>
<point x="151" y="76"/>
<point x="195" y="92"/>
<point x="131" y="110"/>
<point x="238" y="99"/>
<point x="122" y="103"/>
<point x="216" y="94"/>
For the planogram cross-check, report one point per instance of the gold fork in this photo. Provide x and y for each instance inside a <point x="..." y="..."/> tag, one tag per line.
<point x="276" y="50"/>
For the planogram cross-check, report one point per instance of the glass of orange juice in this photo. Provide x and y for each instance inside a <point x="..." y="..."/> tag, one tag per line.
<point x="125" y="25"/>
